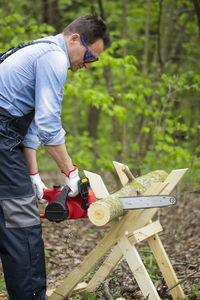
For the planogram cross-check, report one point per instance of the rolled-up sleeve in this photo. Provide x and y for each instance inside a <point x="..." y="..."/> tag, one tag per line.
<point x="50" y="73"/>
<point x="31" y="139"/>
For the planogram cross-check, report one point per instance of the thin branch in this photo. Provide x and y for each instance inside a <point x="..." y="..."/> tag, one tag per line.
<point x="107" y="290"/>
<point x="102" y="12"/>
<point x="182" y="280"/>
<point x="171" y="25"/>
<point x="178" y="38"/>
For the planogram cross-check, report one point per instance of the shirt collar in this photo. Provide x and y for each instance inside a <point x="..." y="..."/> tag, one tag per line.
<point x="61" y="42"/>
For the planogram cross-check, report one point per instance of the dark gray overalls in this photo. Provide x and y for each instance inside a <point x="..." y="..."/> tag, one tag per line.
<point x="21" y="244"/>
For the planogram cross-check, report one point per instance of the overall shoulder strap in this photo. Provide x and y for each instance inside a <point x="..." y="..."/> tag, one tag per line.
<point x="12" y="50"/>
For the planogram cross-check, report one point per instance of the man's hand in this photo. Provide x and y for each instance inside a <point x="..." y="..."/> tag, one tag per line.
<point x="70" y="171"/>
<point x="39" y="186"/>
<point x="71" y="180"/>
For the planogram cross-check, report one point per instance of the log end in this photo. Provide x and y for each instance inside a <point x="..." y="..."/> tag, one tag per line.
<point x="99" y="214"/>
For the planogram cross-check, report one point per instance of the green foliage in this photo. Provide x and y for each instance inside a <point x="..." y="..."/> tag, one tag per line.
<point x="195" y="292"/>
<point x="151" y="264"/>
<point x="19" y="26"/>
<point x="46" y="253"/>
<point x="2" y="284"/>
<point x="88" y="296"/>
<point x="196" y="289"/>
<point x="147" y="106"/>
<point x="85" y="296"/>
<point x="117" y="295"/>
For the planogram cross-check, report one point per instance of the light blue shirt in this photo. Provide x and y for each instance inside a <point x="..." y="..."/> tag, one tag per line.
<point x="34" y="78"/>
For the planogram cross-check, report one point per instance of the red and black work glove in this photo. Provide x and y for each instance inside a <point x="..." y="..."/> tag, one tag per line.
<point x="71" y="180"/>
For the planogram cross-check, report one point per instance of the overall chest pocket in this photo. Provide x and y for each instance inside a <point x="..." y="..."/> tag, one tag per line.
<point x="9" y="139"/>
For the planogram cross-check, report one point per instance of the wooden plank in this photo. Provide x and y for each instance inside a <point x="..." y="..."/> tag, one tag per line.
<point x="114" y="257"/>
<point x="133" y="220"/>
<point x="97" y="184"/>
<point x="145" y="232"/>
<point x="82" y="286"/>
<point x="49" y="292"/>
<point x="156" y="188"/>
<point x="139" y="271"/>
<point x="173" y="179"/>
<point x="106" y="268"/>
<point x="116" y="254"/>
<point x="123" y="172"/>
<point x="165" y="266"/>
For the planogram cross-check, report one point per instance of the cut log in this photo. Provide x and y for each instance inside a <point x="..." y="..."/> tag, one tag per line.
<point x="103" y="211"/>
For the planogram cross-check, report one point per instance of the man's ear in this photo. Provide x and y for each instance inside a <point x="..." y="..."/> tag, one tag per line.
<point x="75" y="37"/>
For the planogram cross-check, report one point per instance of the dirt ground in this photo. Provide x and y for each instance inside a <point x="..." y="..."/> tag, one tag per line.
<point x="67" y="244"/>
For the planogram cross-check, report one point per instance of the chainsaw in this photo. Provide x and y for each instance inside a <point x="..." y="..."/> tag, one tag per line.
<point x="61" y="207"/>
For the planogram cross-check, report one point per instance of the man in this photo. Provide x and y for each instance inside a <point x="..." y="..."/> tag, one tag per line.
<point x="31" y="88"/>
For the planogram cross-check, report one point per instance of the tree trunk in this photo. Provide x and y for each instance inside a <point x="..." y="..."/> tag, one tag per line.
<point x="93" y="121"/>
<point x="45" y="9"/>
<point x="55" y="15"/>
<point x="197" y="9"/>
<point x="124" y="36"/>
<point x="147" y="30"/>
<point x="93" y="117"/>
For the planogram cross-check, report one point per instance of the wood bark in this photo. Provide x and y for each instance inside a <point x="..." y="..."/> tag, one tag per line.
<point x="197" y="10"/>
<point x="147" y="30"/>
<point x="103" y="211"/>
<point x="94" y="113"/>
<point x="45" y="9"/>
<point x="55" y="15"/>
<point x="124" y="36"/>
<point x="93" y="119"/>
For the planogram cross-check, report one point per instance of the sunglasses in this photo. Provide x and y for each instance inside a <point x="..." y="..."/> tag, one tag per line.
<point x="88" y="56"/>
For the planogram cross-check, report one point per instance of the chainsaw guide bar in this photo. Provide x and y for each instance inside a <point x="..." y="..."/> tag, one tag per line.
<point x="139" y="202"/>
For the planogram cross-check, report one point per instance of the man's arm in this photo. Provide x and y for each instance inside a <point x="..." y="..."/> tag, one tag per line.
<point x="61" y="157"/>
<point x="63" y="160"/>
<point x="59" y="154"/>
<point x="31" y="160"/>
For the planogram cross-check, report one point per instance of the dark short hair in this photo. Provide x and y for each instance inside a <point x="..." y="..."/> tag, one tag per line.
<point x="91" y="28"/>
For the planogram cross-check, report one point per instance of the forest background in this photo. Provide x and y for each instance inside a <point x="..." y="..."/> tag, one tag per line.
<point x="140" y="103"/>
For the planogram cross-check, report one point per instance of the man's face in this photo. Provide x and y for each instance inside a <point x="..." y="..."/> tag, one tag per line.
<point x="76" y="52"/>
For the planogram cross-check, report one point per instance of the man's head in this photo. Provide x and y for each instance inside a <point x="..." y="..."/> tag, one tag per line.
<point x="86" y="37"/>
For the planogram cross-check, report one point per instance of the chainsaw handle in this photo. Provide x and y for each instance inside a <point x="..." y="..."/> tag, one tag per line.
<point x="58" y="210"/>
<point x="83" y="190"/>
<point x="51" y="194"/>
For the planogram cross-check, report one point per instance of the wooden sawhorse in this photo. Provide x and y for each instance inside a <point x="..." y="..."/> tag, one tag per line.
<point x="124" y="233"/>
